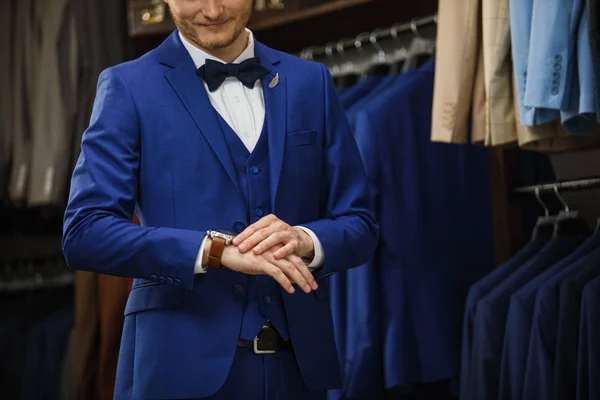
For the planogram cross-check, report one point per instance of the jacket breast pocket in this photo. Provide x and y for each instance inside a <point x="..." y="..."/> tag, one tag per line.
<point x="301" y="138"/>
<point x="153" y="296"/>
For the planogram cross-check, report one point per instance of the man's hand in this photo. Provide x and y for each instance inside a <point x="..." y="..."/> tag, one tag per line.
<point x="270" y="231"/>
<point x="285" y="271"/>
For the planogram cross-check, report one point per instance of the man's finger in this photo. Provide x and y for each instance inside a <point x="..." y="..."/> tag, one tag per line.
<point x="255" y="239"/>
<point x="272" y="240"/>
<point x="303" y="269"/>
<point x="293" y="274"/>
<point x="288" y="249"/>
<point x="279" y="276"/>
<point x="250" y="230"/>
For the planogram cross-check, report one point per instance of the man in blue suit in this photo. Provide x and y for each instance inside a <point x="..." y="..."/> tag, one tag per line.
<point x="212" y="132"/>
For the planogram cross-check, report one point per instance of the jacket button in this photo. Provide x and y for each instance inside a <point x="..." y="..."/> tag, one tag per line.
<point x="254" y="170"/>
<point x="238" y="289"/>
<point x="239" y="226"/>
<point x="177" y="281"/>
<point x="154" y="278"/>
<point x="162" y="279"/>
<point x="267" y="300"/>
<point x="170" y="281"/>
<point x="259" y="212"/>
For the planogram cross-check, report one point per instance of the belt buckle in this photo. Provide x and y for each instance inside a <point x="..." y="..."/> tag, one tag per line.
<point x="257" y="351"/>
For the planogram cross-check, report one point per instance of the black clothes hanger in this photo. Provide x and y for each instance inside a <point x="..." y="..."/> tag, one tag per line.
<point x="544" y="226"/>
<point x="568" y="222"/>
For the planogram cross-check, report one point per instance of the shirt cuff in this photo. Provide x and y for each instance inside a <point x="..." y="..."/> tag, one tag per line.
<point x="198" y="267"/>
<point x="319" y="258"/>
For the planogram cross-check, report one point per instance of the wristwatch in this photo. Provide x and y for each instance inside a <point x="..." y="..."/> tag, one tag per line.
<point x="219" y="239"/>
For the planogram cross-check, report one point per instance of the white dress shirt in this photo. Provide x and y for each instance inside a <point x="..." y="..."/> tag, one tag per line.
<point x="243" y="109"/>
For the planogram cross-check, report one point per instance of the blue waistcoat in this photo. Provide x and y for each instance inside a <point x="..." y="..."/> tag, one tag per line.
<point x="263" y="300"/>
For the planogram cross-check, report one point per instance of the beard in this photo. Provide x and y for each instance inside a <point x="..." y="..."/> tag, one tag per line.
<point x="214" y="40"/>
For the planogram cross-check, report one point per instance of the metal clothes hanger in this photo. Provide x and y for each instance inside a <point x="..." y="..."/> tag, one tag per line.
<point x="420" y="48"/>
<point x="379" y="64"/>
<point x="544" y="226"/>
<point x="398" y="58"/>
<point x="568" y="222"/>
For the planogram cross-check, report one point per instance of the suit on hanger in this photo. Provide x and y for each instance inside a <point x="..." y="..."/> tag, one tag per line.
<point x="413" y="304"/>
<point x="54" y="114"/>
<point x="565" y="368"/>
<point x="552" y="57"/>
<point x="500" y="114"/>
<point x="520" y="320"/>
<point x="6" y="82"/>
<point x="490" y="321"/>
<point x="539" y="373"/>
<point x="459" y="27"/>
<point x="304" y="124"/>
<point x="479" y="290"/>
<point x="588" y="357"/>
<point x="593" y="15"/>
<point x="25" y="67"/>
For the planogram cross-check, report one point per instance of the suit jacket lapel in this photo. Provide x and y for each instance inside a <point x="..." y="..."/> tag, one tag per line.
<point x="193" y="95"/>
<point x="275" y="114"/>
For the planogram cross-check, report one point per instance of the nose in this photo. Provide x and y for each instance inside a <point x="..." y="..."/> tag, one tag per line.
<point x="212" y="10"/>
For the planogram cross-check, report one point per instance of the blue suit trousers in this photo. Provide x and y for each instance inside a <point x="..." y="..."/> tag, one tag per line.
<point x="265" y="377"/>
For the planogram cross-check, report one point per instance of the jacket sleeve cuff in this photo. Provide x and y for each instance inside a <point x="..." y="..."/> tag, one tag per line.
<point x="319" y="258"/>
<point x="198" y="267"/>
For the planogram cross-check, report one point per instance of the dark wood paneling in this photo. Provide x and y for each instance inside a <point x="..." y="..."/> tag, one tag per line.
<point x="291" y="31"/>
<point x="508" y="225"/>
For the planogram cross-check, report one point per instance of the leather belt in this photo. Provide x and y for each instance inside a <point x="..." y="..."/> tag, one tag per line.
<point x="268" y="341"/>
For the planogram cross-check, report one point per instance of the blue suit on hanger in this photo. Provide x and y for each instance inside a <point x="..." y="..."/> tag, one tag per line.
<point x="579" y="118"/>
<point x="552" y="61"/>
<point x="355" y="294"/>
<point x="565" y="368"/>
<point x="521" y="14"/>
<point x="588" y="358"/>
<point x="539" y="373"/>
<point x="181" y="330"/>
<point x="490" y="321"/>
<point x="423" y="192"/>
<point x="479" y="290"/>
<point x="520" y="320"/>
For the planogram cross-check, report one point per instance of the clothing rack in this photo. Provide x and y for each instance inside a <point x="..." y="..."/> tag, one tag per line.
<point x="563" y="186"/>
<point x="370" y="37"/>
<point x="38" y="273"/>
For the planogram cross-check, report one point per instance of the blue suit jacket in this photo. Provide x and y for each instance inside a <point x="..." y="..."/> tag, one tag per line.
<point x="478" y="291"/>
<point x="552" y="53"/>
<point x="521" y="14"/>
<point x="422" y="194"/>
<point x="519" y="322"/>
<point x="490" y="321"/>
<point x="588" y="358"/>
<point x="155" y="144"/>
<point x="565" y="368"/>
<point x="539" y="374"/>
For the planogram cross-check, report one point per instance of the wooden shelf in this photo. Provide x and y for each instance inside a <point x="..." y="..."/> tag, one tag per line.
<point x="282" y="18"/>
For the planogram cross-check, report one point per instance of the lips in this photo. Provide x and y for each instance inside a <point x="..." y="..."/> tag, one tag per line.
<point x="215" y="25"/>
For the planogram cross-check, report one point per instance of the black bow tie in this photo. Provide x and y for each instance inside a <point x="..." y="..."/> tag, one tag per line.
<point x="248" y="72"/>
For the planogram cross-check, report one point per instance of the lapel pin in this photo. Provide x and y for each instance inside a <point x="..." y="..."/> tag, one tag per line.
<point x="274" y="81"/>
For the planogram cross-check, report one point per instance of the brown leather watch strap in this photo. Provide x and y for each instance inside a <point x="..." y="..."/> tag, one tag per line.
<point x="217" y="246"/>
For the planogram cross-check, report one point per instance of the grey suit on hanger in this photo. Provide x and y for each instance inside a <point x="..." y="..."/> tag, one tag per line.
<point x="25" y="62"/>
<point x="54" y="111"/>
<point x="6" y="37"/>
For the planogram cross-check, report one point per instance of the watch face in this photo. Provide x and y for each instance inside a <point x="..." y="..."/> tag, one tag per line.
<point x="225" y="235"/>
